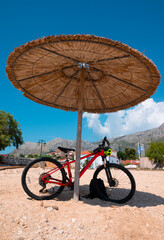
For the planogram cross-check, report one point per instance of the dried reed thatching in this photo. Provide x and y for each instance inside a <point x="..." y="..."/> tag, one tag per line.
<point x="116" y="76"/>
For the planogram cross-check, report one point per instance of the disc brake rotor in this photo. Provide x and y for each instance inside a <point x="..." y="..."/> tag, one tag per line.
<point x="114" y="182"/>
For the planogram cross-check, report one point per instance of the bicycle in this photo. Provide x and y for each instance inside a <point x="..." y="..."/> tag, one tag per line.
<point x="45" y="178"/>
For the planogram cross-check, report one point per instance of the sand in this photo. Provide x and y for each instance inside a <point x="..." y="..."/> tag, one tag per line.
<point x="22" y="218"/>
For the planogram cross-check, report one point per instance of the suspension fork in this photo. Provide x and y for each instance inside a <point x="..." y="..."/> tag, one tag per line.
<point x="107" y="170"/>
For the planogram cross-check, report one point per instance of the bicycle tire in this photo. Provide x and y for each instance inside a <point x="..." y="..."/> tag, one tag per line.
<point x="34" y="186"/>
<point x="120" y="175"/>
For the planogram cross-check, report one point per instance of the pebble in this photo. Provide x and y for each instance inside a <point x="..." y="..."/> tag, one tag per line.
<point x="20" y="231"/>
<point x="54" y="228"/>
<point x="73" y="220"/>
<point x="56" y="207"/>
<point x="41" y="204"/>
<point x="50" y="209"/>
<point x="61" y="231"/>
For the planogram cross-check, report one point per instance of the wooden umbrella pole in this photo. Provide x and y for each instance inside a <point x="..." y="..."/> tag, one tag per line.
<point x="78" y="139"/>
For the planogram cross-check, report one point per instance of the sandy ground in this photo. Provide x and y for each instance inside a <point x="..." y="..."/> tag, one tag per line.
<point x="22" y="218"/>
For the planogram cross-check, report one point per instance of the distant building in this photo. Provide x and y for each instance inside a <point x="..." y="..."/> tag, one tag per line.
<point x="146" y="163"/>
<point x="131" y="163"/>
<point x="114" y="153"/>
<point x="59" y="153"/>
<point x="52" y="154"/>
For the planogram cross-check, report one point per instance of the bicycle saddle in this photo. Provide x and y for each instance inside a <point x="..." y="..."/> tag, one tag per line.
<point x="65" y="150"/>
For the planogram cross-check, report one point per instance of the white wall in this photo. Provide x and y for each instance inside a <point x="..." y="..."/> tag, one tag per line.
<point x="98" y="161"/>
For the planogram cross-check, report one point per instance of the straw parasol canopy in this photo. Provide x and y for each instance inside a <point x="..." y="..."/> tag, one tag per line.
<point x="82" y="73"/>
<point x="47" y="71"/>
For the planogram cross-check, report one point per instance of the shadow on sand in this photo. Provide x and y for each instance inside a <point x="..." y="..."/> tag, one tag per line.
<point x="140" y="199"/>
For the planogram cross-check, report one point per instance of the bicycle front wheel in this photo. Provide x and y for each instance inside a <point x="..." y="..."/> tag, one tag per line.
<point x="120" y="184"/>
<point x="43" y="178"/>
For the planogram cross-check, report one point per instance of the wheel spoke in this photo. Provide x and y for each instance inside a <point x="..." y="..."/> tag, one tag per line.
<point x="123" y="184"/>
<point x="33" y="183"/>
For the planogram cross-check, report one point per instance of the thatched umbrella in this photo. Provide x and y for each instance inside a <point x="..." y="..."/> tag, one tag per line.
<point x="82" y="73"/>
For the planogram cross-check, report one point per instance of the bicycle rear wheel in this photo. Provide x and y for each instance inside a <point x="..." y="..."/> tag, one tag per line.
<point x="34" y="183"/>
<point x="122" y="184"/>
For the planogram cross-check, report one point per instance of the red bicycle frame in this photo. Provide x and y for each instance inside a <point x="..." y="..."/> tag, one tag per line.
<point x="66" y="164"/>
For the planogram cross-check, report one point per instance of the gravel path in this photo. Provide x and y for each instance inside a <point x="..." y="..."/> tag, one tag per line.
<point x="22" y="218"/>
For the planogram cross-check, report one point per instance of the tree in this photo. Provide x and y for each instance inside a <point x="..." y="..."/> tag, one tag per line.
<point x="85" y="163"/>
<point x="130" y="153"/>
<point x="10" y="134"/>
<point x="121" y="155"/>
<point x="30" y="155"/>
<point x="155" y="151"/>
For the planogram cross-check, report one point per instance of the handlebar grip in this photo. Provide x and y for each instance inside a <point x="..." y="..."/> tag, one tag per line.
<point x="102" y="146"/>
<point x="105" y="140"/>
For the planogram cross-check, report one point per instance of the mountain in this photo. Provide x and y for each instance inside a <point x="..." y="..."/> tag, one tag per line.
<point x="131" y="140"/>
<point x="144" y="137"/>
<point x="34" y="148"/>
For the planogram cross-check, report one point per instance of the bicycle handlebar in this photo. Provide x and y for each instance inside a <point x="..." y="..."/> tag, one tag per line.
<point x="103" y="146"/>
<point x="105" y="140"/>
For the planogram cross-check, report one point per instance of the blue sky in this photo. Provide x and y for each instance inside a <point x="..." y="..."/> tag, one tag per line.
<point x="136" y="23"/>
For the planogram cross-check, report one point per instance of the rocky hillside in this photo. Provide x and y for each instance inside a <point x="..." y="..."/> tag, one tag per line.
<point x="131" y="140"/>
<point x="33" y="148"/>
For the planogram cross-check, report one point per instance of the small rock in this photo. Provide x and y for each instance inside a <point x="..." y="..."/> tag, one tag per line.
<point x="81" y="227"/>
<point x="41" y="204"/>
<point x="61" y="231"/>
<point x="56" y="207"/>
<point x="73" y="220"/>
<point x="50" y="209"/>
<point x="20" y="231"/>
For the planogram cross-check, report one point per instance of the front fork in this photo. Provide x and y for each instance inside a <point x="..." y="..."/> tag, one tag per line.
<point x="108" y="172"/>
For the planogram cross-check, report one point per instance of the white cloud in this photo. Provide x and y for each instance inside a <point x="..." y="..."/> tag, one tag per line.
<point x="95" y="124"/>
<point x="146" y="115"/>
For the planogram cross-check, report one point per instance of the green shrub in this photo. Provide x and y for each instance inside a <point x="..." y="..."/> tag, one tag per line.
<point x="1" y="159"/>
